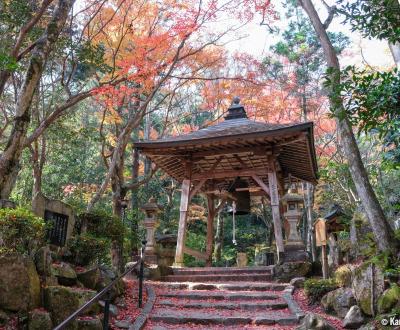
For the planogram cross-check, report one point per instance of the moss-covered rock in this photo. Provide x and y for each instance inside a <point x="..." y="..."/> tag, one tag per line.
<point x="19" y="283"/>
<point x="106" y="277"/>
<point x="89" y="277"/>
<point x="389" y="299"/>
<point x="93" y="323"/>
<point x="65" y="273"/>
<point x="354" y="318"/>
<point x="288" y="270"/>
<point x="342" y="275"/>
<point x="39" y="319"/>
<point x="43" y="261"/>
<point x="361" y="285"/>
<point x="338" y="301"/>
<point x="314" y="322"/>
<point x="62" y="301"/>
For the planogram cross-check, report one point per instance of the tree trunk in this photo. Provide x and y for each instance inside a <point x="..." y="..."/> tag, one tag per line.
<point x="395" y="50"/>
<point x="10" y="158"/>
<point x="384" y="235"/>
<point x="118" y="195"/>
<point x="38" y="158"/>
<point x="135" y="205"/>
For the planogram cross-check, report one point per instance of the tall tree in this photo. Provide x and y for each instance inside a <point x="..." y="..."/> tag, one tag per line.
<point x="9" y="159"/>
<point x="384" y="235"/>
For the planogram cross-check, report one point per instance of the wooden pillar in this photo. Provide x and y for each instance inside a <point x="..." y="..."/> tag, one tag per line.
<point x="272" y="191"/>
<point x="325" y="269"/>
<point x="273" y="188"/>
<point x="182" y="223"/>
<point x="210" y="228"/>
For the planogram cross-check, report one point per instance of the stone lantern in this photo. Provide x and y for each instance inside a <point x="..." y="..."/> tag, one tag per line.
<point x="151" y="208"/>
<point x="293" y="205"/>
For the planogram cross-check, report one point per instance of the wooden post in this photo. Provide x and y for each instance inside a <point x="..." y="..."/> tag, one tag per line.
<point x="324" y="262"/>
<point x="182" y="223"/>
<point x="273" y="188"/>
<point x="210" y="228"/>
<point x="320" y="238"/>
<point x="272" y="191"/>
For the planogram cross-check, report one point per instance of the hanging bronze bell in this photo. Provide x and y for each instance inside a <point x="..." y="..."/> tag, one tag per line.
<point x="242" y="197"/>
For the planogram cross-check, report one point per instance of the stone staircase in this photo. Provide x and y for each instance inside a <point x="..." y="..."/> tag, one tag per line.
<point x="222" y="298"/>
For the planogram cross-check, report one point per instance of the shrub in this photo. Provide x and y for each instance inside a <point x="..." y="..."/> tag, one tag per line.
<point x="101" y="224"/>
<point x="315" y="289"/>
<point x="87" y="249"/>
<point x="343" y="275"/>
<point x="21" y="231"/>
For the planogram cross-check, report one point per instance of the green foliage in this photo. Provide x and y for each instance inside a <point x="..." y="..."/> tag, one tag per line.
<point x="371" y="102"/>
<point x="195" y="241"/>
<point x="88" y="249"/>
<point x="374" y="18"/>
<point x="315" y="289"/>
<point x="21" y="231"/>
<point x="103" y="225"/>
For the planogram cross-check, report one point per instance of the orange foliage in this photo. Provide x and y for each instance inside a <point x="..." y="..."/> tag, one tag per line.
<point x="268" y="100"/>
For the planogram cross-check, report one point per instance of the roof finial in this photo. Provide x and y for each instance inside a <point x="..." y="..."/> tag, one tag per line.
<point x="236" y="110"/>
<point x="236" y="100"/>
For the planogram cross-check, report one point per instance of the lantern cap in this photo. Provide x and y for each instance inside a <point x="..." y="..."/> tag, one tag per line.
<point x="291" y="197"/>
<point x="151" y="206"/>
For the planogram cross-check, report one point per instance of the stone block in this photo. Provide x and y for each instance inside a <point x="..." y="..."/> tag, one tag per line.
<point x="39" y="319"/>
<point x="288" y="270"/>
<point x="338" y="301"/>
<point x="65" y="274"/>
<point x="354" y="318"/>
<point x="62" y="301"/>
<point x="89" y="277"/>
<point x="19" y="283"/>
<point x="361" y="285"/>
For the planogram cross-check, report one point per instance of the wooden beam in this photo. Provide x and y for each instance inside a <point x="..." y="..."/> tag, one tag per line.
<point x="182" y="223"/>
<point x="196" y="188"/>
<point x="261" y="183"/>
<point x="197" y="254"/>
<point x="229" y="174"/>
<point x="201" y="154"/>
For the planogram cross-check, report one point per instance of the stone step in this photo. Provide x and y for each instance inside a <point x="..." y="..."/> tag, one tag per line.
<point x="248" y="305"/>
<point x="216" y="295"/>
<point x="233" y="286"/>
<point x="223" y="270"/>
<point x="171" y="316"/>
<point x="218" y="278"/>
<point x="264" y="286"/>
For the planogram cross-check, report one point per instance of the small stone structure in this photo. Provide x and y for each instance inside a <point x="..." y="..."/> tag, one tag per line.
<point x="165" y="247"/>
<point x="60" y="213"/>
<point x="150" y="222"/>
<point x="294" y="246"/>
